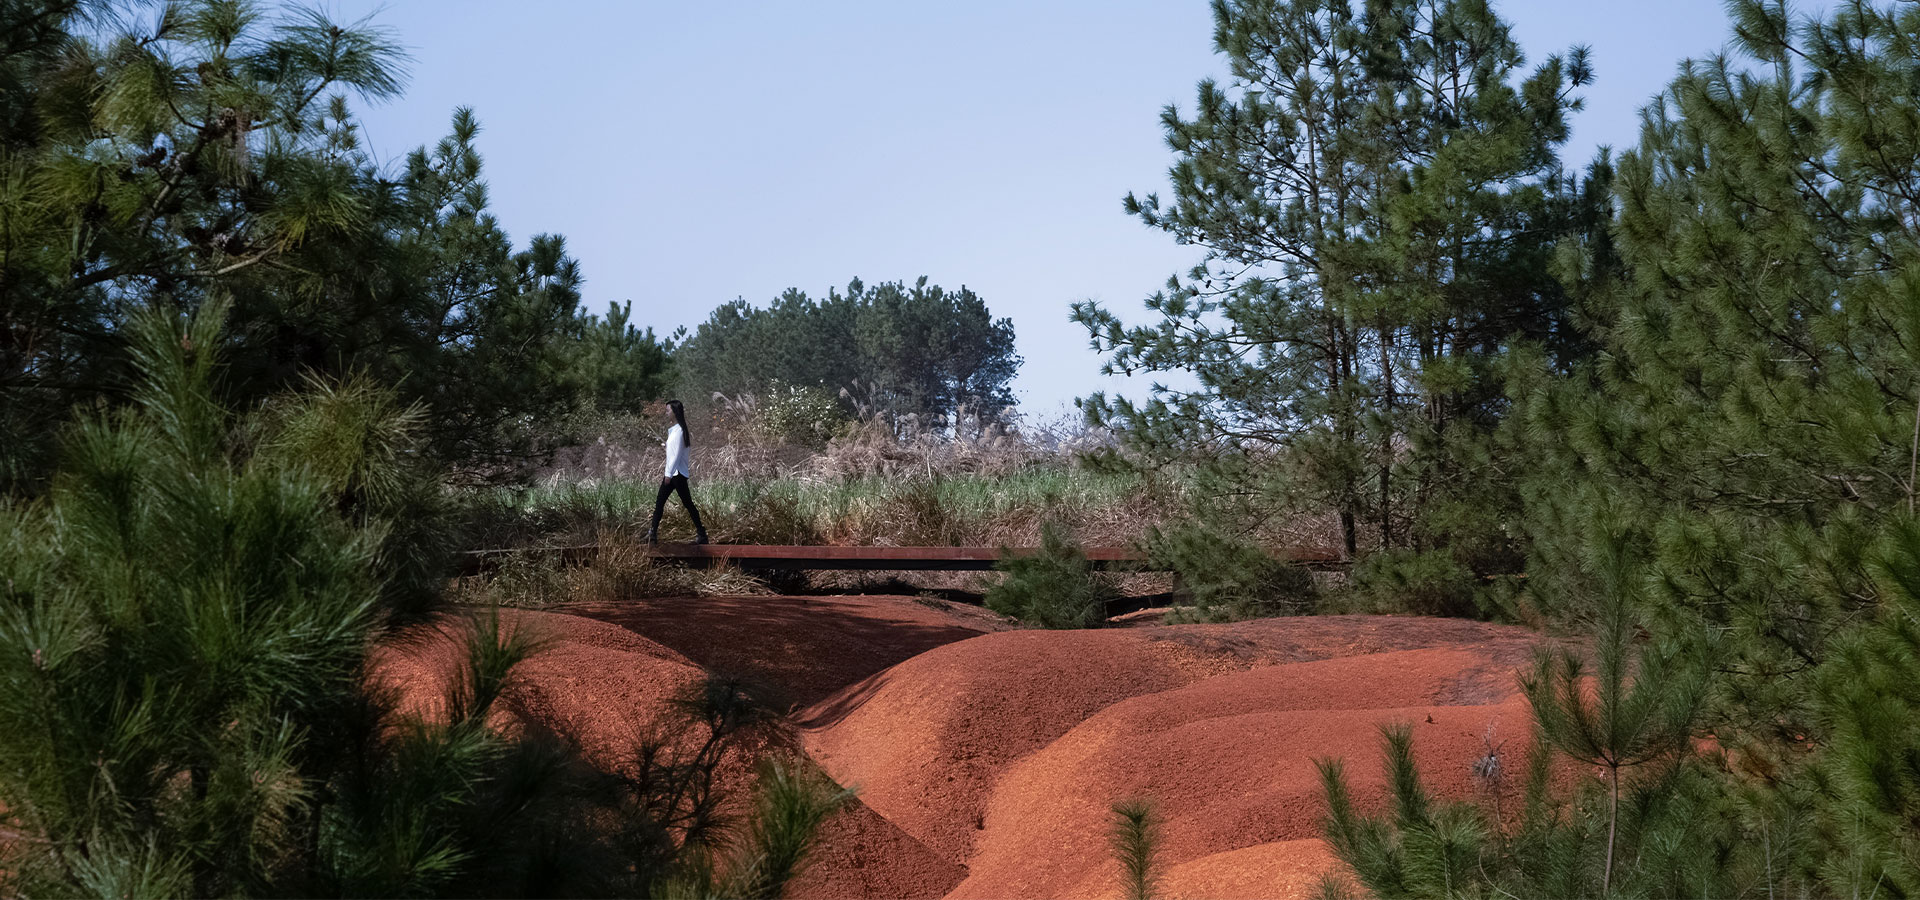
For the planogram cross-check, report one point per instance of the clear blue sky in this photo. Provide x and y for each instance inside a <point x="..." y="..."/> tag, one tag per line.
<point x="696" y="152"/>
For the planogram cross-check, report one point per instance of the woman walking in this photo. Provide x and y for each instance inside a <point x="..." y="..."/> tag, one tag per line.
<point x="679" y="451"/>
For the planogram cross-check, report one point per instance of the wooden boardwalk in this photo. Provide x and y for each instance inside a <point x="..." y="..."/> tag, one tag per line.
<point x="889" y="559"/>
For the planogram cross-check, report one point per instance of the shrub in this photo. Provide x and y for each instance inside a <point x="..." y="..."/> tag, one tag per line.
<point x="1228" y="577"/>
<point x="1054" y="588"/>
<point x="526" y="579"/>
<point x="1428" y="583"/>
<point x="916" y="513"/>
<point x="623" y="570"/>
<point x="794" y="800"/>
<point x="186" y="700"/>
<point x="1134" y="836"/>
<point x="799" y="415"/>
<point x="1659" y="821"/>
<point x="184" y="629"/>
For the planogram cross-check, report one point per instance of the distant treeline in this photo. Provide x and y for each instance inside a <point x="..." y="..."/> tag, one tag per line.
<point x="890" y="348"/>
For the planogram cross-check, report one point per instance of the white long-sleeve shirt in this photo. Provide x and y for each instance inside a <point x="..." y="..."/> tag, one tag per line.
<point x="678" y="461"/>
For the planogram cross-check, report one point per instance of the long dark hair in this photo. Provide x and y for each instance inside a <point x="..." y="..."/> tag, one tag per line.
<point x="680" y="419"/>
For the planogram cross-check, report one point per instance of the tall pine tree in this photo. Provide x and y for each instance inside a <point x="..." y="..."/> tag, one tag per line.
<point x="1749" y="433"/>
<point x="1377" y="193"/>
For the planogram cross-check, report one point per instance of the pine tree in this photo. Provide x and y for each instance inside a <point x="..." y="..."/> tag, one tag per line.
<point x="1639" y="705"/>
<point x="205" y="152"/>
<point x="184" y="629"/>
<point x="1377" y="198"/>
<point x="1748" y="434"/>
<point x="1134" y="836"/>
<point x="1869" y="700"/>
<point x="1423" y="849"/>
<point x="901" y="352"/>
<point x="1751" y="426"/>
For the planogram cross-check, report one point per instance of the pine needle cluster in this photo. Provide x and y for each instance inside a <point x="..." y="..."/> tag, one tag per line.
<point x="1134" y="836"/>
<point x="188" y="618"/>
<point x="1053" y="588"/>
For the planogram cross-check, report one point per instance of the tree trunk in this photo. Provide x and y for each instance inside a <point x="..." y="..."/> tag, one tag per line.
<point x="1386" y="436"/>
<point x="1613" y="824"/>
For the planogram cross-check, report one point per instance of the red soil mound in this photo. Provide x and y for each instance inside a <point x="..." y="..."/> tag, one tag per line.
<point x="861" y="854"/>
<point x="927" y="740"/>
<point x="1229" y="764"/>
<point x="993" y="757"/>
<point x="1282" y="870"/>
<point x="602" y="679"/>
<point x="797" y="649"/>
<point x="595" y="682"/>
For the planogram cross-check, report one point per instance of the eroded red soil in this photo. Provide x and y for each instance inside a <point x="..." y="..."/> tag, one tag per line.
<point x="987" y="758"/>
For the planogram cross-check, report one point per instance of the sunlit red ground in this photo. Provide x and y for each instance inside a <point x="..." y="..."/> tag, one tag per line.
<point x="987" y="757"/>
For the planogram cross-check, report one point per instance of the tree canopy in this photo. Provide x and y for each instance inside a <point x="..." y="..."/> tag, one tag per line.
<point x="1378" y="193"/>
<point x="892" y="348"/>
<point x="1749" y="432"/>
<point x="205" y="151"/>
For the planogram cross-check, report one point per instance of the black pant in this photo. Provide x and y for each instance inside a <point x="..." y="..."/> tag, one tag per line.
<point x="668" y="486"/>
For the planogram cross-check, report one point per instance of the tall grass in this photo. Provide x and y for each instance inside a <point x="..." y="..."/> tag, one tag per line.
<point x="943" y="510"/>
<point x="895" y="484"/>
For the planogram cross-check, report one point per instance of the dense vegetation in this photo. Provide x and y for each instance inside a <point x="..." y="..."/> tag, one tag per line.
<point x="891" y="349"/>
<point x="188" y="622"/>
<point x="195" y="153"/>
<point x="239" y="365"/>
<point x="1378" y="195"/>
<point x="1682" y="391"/>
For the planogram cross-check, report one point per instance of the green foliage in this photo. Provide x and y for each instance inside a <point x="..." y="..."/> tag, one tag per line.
<point x="1425" y="849"/>
<point x="1747" y="439"/>
<point x="893" y="349"/>
<point x="1054" y="588"/>
<point x="1228" y="577"/>
<point x="207" y="155"/>
<point x="189" y="707"/>
<point x="794" y="800"/>
<point x="1638" y="707"/>
<point x="1430" y="583"/>
<point x="1729" y="486"/>
<point x="804" y="416"/>
<point x="437" y="806"/>
<point x="1678" y="835"/>
<point x="770" y="514"/>
<point x="1869" y="700"/>
<point x="958" y="509"/>
<point x="184" y="628"/>
<point x="1134" y="836"/>
<point x="1661" y="821"/>
<point x="1378" y="195"/>
<point x="623" y="368"/>
<point x="364" y="446"/>
<point x="1750" y="438"/>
